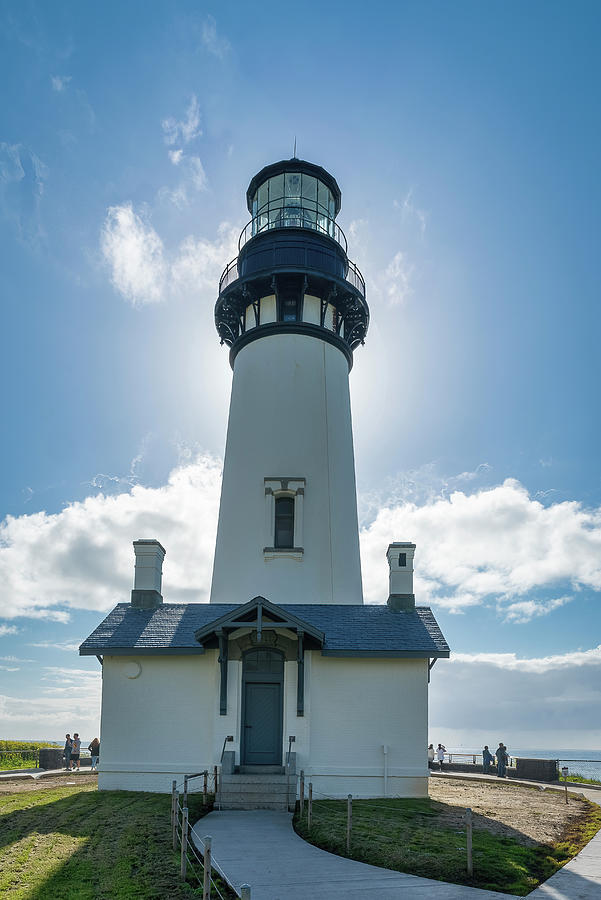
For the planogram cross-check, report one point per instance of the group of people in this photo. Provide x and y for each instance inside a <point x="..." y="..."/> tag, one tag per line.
<point x="72" y="753"/>
<point x="437" y="754"/>
<point x="501" y="755"/>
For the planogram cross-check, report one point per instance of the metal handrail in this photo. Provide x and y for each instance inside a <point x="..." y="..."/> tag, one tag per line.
<point x="292" y="220"/>
<point x="230" y="737"/>
<point x="230" y="274"/>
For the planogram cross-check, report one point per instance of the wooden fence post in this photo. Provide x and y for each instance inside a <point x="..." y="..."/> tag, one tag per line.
<point x="349" y="822"/>
<point x="245" y="892"/>
<point x="176" y="817"/>
<point x="173" y="790"/>
<point x="310" y="807"/>
<point x="302" y="792"/>
<point x="204" y="787"/>
<point x="215" y="779"/>
<point x="468" y="834"/>
<point x="206" y="881"/>
<point x="184" y="850"/>
<point x="185" y="802"/>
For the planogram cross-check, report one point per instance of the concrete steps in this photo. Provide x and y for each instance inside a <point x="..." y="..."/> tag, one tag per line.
<point x="244" y="790"/>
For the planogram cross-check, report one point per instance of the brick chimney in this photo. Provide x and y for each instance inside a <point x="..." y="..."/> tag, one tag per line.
<point x="148" y="574"/>
<point x="400" y="562"/>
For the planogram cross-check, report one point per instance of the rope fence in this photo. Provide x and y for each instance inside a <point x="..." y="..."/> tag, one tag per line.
<point x="197" y="865"/>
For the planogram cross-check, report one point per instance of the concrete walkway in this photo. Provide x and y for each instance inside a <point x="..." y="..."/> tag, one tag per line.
<point x="260" y="848"/>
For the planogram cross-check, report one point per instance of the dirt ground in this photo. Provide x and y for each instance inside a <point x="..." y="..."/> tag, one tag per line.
<point x="22" y="785"/>
<point x="530" y="814"/>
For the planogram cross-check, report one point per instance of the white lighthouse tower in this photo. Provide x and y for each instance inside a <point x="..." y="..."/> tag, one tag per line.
<point x="292" y="308"/>
<point x="286" y="670"/>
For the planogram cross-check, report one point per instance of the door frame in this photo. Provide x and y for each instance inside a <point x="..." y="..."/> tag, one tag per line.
<point x="262" y="678"/>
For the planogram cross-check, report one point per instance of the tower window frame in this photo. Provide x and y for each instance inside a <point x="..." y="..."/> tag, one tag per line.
<point x="284" y="522"/>
<point x="283" y="537"/>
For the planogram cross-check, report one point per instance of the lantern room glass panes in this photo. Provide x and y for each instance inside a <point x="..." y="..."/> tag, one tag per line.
<point x="294" y="200"/>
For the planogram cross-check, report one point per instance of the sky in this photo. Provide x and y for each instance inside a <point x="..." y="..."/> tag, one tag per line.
<point x="465" y="138"/>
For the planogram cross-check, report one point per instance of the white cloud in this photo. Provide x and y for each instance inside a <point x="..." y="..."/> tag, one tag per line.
<point x="22" y="181"/>
<point x="214" y="43"/>
<point x="525" y="610"/>
<point x="537" y="665"/>
<point x="143" y="272"/>
<point x="494" y="545"/>
<point x="547" y="702"/>
<point x="134" y="251"/>
<point x="70" y="702"/>
<point x="410" y="211"/>
<point x="392" y="281"/>
<point x="200" y="262"/>
<point x="10" y="668"/>
<point x="195" y="178"/>
<point x="66" y="646"/>
<point x="399" y="273"/>
<point x="8" y="629"/>
<point x="184" y="130"/>
<point x="60" y="82"/>
<point x="82" y="557"/>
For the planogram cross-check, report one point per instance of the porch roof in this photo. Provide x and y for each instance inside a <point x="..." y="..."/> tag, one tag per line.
<point x="340" y="630"/>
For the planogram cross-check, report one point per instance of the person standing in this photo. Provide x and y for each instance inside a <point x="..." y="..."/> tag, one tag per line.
<point x="430" y="755"/>
<point x="67" y="751"/>
<point x="440" y="752"/>
<point x="501" y="755"/>
<point x="94" y="748"/>
<point x="75" y="752"/>
<point x="487" y="758"/>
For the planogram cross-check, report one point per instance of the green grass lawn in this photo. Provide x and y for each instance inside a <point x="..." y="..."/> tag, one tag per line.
<point x="404" y="835"/>
<point x="581" y="779"/>
<point x="76" y="843"/>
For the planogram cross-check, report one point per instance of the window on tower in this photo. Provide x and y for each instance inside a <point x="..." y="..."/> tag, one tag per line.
<point x="284" y="501"/>
<point x="284" y="522"/>
<point x="289" y="309"/>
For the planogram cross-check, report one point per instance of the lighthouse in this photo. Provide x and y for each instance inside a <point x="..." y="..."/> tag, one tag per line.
<point x="285" y="671"/>
<point x="292" y="309"/>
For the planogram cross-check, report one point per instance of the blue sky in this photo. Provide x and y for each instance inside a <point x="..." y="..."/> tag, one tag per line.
<point x="465" y="138"/>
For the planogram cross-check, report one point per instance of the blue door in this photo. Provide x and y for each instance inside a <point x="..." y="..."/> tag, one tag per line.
<point x="262" y="708"/>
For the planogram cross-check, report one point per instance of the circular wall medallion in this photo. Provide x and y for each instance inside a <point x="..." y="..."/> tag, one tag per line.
<point x="132" y="669"/>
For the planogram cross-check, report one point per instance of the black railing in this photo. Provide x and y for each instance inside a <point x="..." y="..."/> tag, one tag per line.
<point x="292" y="218"/>
<point x="353" y="276"/>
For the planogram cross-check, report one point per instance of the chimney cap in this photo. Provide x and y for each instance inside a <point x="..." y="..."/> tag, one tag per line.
<point x="405" y="544"/>
<point x="147" y="542"/>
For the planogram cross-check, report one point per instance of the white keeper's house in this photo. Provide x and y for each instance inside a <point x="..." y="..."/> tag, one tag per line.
<point x="285" y="669"/>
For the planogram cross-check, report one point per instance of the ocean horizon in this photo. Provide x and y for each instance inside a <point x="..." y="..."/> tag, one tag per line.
<point x="581" y="762"/>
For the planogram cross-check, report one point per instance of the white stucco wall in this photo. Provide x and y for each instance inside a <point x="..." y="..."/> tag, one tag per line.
<point x="165" y="722"/>
<point x="355" y="708"/>
<point x="289" y="417"/>
<point x="159" y="725"/>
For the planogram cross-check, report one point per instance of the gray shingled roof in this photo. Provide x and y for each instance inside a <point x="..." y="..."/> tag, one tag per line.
<point x="350" y="630"/>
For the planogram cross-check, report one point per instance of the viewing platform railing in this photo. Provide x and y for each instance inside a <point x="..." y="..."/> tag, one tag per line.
<point x="353" y="276"/>
<point x="292" y="217"/>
